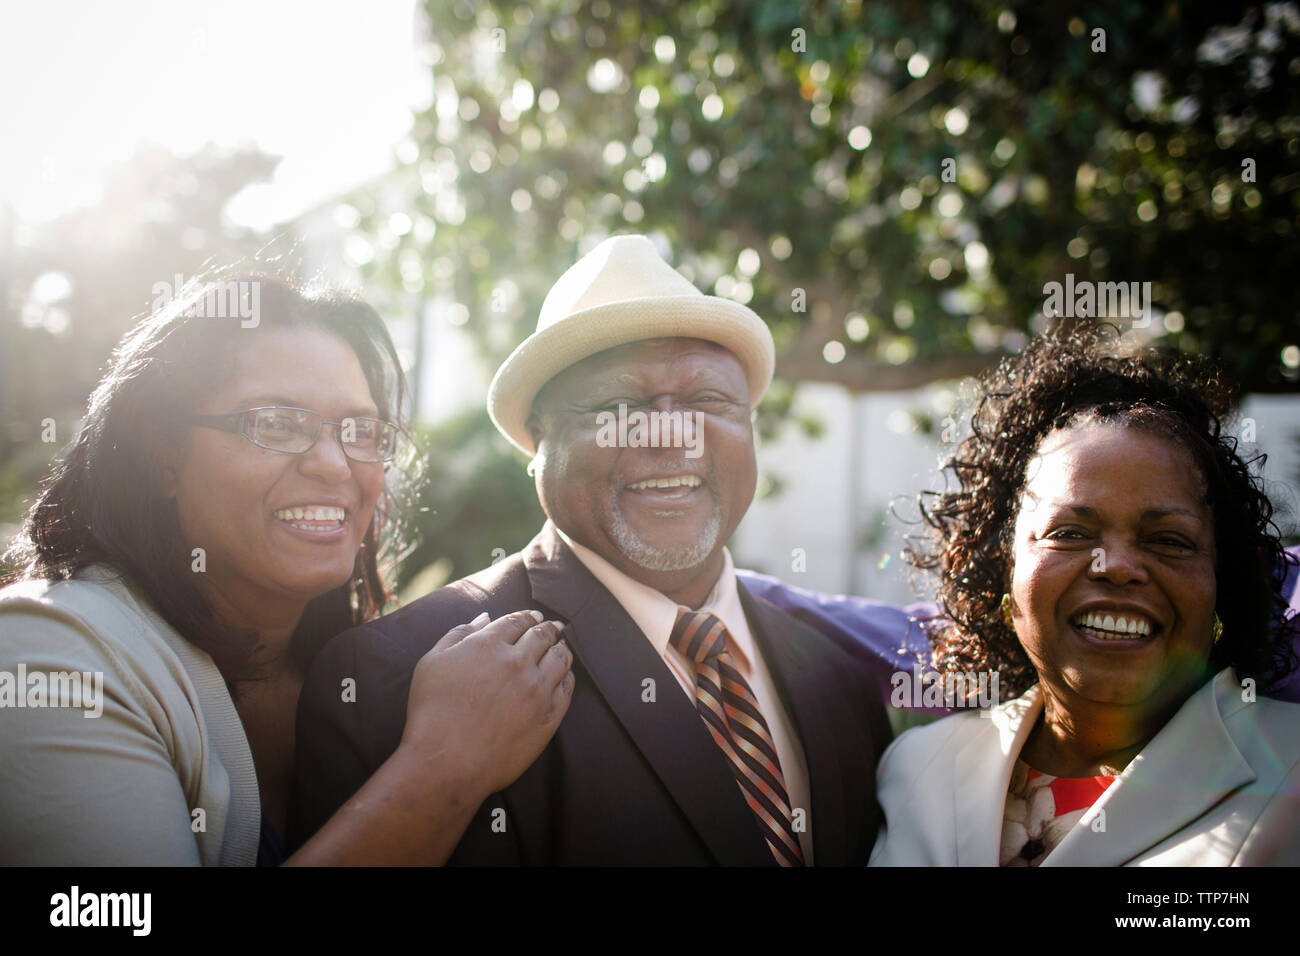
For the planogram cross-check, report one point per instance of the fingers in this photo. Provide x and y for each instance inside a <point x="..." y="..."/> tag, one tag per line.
<point x="504" y="630"/>
<point x="556" y="662"/>
<point x="460" y="632"/>
<point x="525" y="629"/>
<point x="510" y="628"/>
<point x="562" y="695"/>
<point x="540" y="639"/>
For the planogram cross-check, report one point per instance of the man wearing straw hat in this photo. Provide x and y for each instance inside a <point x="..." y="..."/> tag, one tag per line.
<point x="705" y="726"/>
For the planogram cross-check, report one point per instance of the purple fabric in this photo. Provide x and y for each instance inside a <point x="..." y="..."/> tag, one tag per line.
<point x="1289" y="689"/>
<point x="885" y="637"/>
<point x="889" y="638"/>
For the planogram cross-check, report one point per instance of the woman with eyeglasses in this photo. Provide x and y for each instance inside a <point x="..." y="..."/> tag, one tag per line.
<point x="226" y="508"/>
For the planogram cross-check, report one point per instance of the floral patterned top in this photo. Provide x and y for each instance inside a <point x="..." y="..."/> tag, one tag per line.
<point x="1041" y="810"/>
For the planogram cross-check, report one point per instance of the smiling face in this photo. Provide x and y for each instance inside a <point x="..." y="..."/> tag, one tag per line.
<point x="240" y="503"/>
<point x="659" y="514"/>
<point x="1129" y="624"/>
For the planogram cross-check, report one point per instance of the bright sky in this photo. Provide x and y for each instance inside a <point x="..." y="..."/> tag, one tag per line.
<point x="327" y="84"/>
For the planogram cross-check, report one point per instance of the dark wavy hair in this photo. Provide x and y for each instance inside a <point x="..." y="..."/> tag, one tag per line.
<point x="1071" y="375"/>
<point x="103" y="502"/>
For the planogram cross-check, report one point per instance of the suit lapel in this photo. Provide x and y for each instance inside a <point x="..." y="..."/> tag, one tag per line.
<point x="1188" y="767"/>
<point x="803" y="682"/>
<point x="669" y="733"/>
<point x="982" y="774"/>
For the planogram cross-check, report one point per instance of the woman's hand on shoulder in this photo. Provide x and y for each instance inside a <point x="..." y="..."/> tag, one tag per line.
<point x="483" y="703"/>
<point x="486" y="699"/>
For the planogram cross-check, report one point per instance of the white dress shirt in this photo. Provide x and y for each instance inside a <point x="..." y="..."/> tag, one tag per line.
<point x="655" y="614"/>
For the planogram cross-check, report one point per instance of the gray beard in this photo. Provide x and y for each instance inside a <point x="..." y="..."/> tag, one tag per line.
<point x="657" y="559"/>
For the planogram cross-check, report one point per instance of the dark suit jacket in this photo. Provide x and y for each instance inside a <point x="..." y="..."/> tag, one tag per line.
<point x="623" y="781"/>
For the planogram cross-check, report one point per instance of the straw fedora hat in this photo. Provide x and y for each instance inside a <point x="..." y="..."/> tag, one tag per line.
<point x="621" y="292"/>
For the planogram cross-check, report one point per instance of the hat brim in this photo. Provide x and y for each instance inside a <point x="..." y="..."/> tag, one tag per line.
<point x="546" y="353"/>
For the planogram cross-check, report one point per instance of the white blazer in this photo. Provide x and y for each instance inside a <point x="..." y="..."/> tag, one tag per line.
<point x="1219" y="785"/>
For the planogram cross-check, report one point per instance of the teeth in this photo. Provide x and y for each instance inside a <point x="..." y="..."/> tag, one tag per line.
<point x="689" y="481"/>
<point x="1114" y="628"/>
<point x="311" y="513"/>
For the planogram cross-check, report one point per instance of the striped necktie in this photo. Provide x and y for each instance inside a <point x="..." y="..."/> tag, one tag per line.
<point x="730" y="711"/>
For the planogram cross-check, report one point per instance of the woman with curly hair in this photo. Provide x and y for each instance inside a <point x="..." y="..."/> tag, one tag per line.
<point x="1110" y="555"/>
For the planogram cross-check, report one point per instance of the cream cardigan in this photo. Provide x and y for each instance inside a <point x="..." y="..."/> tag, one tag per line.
<point x="163" y="776"/>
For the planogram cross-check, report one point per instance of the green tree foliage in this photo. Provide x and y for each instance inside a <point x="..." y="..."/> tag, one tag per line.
<point x="890" y="185"/>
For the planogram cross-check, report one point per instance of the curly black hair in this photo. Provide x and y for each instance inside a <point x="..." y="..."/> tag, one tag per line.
<point x="1078" y="373"/>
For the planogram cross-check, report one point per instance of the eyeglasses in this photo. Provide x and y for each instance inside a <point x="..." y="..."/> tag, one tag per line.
<point x="294" y="431"/>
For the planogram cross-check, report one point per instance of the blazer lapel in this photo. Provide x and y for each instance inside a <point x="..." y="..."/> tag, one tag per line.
<point x="1189" y="766"/>
<point x="803" y="682"/>
<point x="668" y="732"/>
<point x="982" y="774"/>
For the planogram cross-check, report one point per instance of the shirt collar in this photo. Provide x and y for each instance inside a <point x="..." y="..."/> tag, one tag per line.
<point x="655" y="613"/>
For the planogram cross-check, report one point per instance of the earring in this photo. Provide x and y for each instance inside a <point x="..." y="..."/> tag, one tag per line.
<point x="532" y="468"/>
<point x="1006" y="613"/>
<point x="1217" y="627"/>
